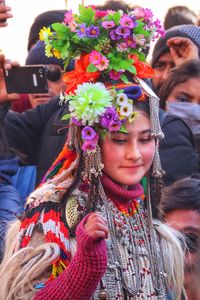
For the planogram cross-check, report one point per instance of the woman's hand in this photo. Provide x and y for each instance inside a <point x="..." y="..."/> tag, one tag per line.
<point x="96" y="226"/>
<point x="6" y="64"/>
<point x="182" y="49"/>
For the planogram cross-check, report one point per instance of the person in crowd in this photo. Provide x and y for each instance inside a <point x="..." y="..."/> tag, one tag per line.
<point x="115" y="5"/>
<point x="88" y="231"/>
<point x="179" y="15"/>
<point x="179" y="44"/>
<point x="180" y="204"/>
<point x="10" y="201"/>
<point x="180" y="95"/>
<point x="45" y="19"/>
<point x="4" y="13"/>
<point x="56" y="85"/>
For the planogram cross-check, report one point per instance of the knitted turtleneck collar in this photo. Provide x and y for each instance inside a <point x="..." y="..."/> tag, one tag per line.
<point x="119" y="194"/>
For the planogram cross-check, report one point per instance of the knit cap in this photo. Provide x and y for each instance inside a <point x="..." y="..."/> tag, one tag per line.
<point x="188" y="31"/>
<point x="44" y="19"/>
<point x="36" y="56"/>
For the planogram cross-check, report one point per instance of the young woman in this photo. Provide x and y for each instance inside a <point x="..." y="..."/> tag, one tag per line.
<point x="87" y="231"/>
<point x="180" y="96"/>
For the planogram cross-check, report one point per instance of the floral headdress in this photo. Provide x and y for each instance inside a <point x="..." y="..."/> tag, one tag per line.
<point x="107" y="46"/>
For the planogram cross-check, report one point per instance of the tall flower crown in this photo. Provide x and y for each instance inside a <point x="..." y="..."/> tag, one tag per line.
<point x="109" y="43"/>
<point x="110" y="46"/>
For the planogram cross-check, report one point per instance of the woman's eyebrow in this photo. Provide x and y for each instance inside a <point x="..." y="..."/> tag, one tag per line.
<point x="114" y="133"/>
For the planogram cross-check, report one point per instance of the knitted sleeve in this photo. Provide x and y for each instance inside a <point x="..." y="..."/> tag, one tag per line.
<point x="80" y="279"/>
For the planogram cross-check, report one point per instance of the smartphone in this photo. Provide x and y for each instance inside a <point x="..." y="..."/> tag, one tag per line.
<point x="2" y="3"/>
<point x="30" y="79"/>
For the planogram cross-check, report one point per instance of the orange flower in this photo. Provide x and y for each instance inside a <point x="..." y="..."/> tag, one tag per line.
<point x="143" y="69"/>
<point x="80" y="75"/>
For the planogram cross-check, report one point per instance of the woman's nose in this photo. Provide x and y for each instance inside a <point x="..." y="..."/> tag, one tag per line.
<point x="133" y="152"/>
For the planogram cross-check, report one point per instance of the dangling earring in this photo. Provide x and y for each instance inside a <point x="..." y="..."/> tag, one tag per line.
<point x="157" y="171"/>
<point x="92" y="163"/>
<point x="154" y="117"/>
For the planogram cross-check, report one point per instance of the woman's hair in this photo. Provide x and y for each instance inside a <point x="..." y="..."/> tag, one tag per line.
<point x="184" y="72"/>
<point x="21" y="270"/>
<point x="182" y="194"/>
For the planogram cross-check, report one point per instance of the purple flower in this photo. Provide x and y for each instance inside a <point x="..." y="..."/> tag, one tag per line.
<point x="109" y="115"/>
<point x="108" y="24"/>
<point x="76" y="122"/>
<point x="123" y="31"/>
<point x="88" y="133"/>
<point x="114" y="36"/>
<point x="115" y="75"/>
<point x="92" y="31"/>
<point x="115" y="125"/>
<point x="81" y="32"/>
<point x="130" y="42"/>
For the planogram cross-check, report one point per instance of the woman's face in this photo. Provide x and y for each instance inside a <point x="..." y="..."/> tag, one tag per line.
<point x="186" y="92"/>
<point x="127" y="157"/>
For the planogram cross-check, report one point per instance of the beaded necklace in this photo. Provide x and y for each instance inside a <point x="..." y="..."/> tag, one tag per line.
<point x="135" y="269"/>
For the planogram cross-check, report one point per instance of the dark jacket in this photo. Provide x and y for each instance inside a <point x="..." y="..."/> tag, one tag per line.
<point x="9" y="197"/>
<point x="40" y="134"/>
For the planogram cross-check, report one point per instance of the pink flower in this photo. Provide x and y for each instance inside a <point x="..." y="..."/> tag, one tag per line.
<point x="95" y="57"/>
<point x="122" y="47"/>
<point x="72" y="26"/>
<point x="108" y="24"/>
<point x="68" y="17"/>
<point x="101" y="13"/>
<point x="103" y="64"/>
<point x="126" y="21"/>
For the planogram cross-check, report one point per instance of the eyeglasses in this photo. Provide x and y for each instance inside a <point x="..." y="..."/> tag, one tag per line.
<point x="53" y="72"/>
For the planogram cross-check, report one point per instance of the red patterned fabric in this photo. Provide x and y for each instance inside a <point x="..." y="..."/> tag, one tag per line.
<point x="80" y="279"/>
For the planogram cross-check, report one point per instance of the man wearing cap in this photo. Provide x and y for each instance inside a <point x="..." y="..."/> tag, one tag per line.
<point x="179" y="44"/>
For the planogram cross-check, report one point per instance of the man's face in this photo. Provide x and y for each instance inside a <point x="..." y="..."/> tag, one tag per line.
<point x="188" y="222"/>
<point x="162" y="69"/>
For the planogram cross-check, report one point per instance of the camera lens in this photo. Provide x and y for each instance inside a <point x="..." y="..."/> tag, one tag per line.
<point x="53" y="73"/>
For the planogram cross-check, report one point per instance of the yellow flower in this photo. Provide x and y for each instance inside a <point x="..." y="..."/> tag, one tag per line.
<point x="133" y="116"/>
<point x="56" y="53"/>
<point x="44" y="33"/>
<point x="48" y="50"/>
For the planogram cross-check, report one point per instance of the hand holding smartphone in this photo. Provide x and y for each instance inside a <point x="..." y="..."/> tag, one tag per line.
<point x="4" y="13"/>
<point x="26" y="80"/>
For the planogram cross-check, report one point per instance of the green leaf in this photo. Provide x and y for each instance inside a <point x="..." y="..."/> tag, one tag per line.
<point x="132" y="69"/>
<point x="86" y="15"/>
<point x="61" y="30"/>
<point x="123" y="129"/>
<point x="124" y="78"/>
<point x="66" y="117"/>
<point x="91" y="68"/>
<point x="115" y="17"/>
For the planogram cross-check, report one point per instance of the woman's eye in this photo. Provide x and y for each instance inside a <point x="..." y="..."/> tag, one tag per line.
<point x="119" y="141"/>
<point x="146" y="139"/>
<point x="183" y="98"/>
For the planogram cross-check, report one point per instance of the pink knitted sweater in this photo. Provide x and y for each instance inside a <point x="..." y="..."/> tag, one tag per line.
<point x="80" y="279"/>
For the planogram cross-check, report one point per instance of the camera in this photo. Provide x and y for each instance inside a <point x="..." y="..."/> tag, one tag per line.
<point x="30" y="79"/>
